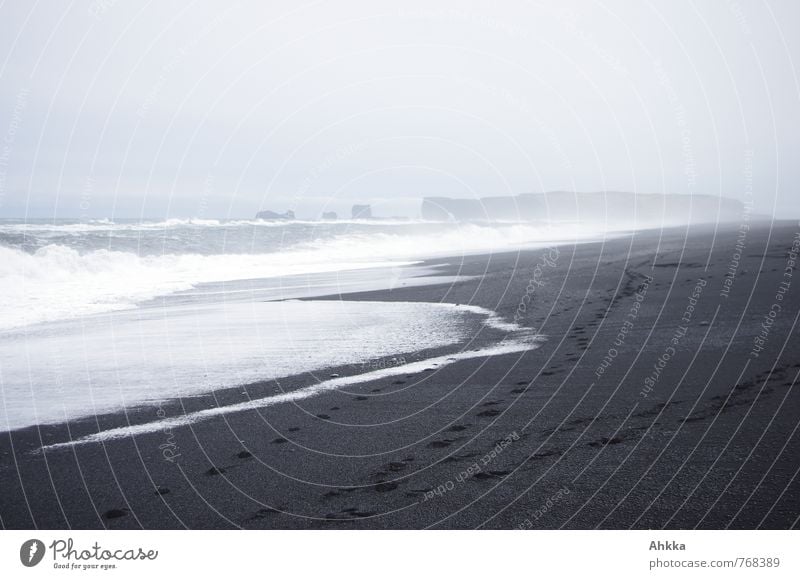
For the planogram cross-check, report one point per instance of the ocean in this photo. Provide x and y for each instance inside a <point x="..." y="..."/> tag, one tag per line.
<point x="103" y="316"/>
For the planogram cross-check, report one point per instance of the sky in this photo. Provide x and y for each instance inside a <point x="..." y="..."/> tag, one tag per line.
<point x="115" y="109"/>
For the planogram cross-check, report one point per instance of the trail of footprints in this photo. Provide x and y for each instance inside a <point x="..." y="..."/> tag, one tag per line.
<point x="381" y="481"/>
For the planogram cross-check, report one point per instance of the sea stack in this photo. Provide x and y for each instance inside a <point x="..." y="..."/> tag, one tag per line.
<point x="272" y="215"/>
<point x="362" y="212"/>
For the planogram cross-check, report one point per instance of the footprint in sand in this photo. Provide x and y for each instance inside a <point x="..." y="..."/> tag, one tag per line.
<point x="323" y="416"/>
<point x="162" y="491"/>
<point x="460" y="457"/>
<point x="362" y="398"/>
<point x="115" y="513"/>
<point x="385" y="487"/>
<point x="244" y="454"/>
<point x="606" y="441"/>
<point x="213" y="471"/>
<point x="262" y="513"/>
<point x="546" y="454"/>
<point x="339" y="492"/>
<point x="294" y="429"/>
<point x="346" y="515"/>
<point x="440" y="443"/>
<point x="488" y="413"/>
<point x="280" y="440"/>
<point x="457" y="428"/>
<point x="519" y="390"/>
<point x="491" y="474"/>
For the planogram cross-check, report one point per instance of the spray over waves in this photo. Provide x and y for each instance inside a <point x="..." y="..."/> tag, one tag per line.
<point x="59" y="281"/>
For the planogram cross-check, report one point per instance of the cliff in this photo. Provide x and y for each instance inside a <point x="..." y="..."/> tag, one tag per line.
<point x="609" y="207"/>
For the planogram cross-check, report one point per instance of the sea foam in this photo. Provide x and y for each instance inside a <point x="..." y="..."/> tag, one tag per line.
<point x="73" y="278"/>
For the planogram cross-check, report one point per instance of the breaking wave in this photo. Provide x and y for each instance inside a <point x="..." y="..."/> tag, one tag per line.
<point x="60" y="281"/>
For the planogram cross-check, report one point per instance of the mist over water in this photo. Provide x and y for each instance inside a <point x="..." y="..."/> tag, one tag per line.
<point x="66" y="269"/>
<point x="102" y="316"/>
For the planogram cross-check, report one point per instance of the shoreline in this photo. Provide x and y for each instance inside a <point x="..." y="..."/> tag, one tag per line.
<point x="386" y="448"/>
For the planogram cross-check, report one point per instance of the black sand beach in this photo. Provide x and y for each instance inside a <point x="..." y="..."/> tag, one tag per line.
<point x="664" y="396"/>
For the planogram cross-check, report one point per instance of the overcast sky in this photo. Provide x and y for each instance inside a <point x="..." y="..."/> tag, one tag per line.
<point x="126" y="109"/>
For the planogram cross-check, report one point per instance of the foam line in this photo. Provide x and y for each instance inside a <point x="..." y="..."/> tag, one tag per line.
<point x="512" y="346"/>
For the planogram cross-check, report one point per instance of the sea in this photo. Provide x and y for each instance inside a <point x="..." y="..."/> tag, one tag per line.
<point x="104" y="316"/>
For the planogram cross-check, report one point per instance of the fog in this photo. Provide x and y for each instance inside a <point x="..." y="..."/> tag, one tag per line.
<point x="118" y="109"/>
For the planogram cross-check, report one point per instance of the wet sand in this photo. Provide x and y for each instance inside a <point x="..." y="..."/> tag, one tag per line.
<point x="664" y="395"/>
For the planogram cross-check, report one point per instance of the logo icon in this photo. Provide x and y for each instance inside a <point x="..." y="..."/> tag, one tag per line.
<point x="32" y="552"/>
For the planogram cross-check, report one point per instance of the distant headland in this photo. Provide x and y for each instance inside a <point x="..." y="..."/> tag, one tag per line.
<point x="600" y="207"/>
<point x="607" y="207"/>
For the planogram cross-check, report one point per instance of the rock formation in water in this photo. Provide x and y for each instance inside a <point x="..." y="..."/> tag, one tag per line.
<point x="271" y="215"/>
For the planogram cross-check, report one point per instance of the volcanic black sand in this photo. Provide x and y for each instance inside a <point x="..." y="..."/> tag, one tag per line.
<point x="665" y="395"/>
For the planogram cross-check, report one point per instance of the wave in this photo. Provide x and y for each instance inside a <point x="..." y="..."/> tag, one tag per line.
<point x="59" y="282"/>
<point x="515" y="345"/>
<point x="103" y="225"/>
